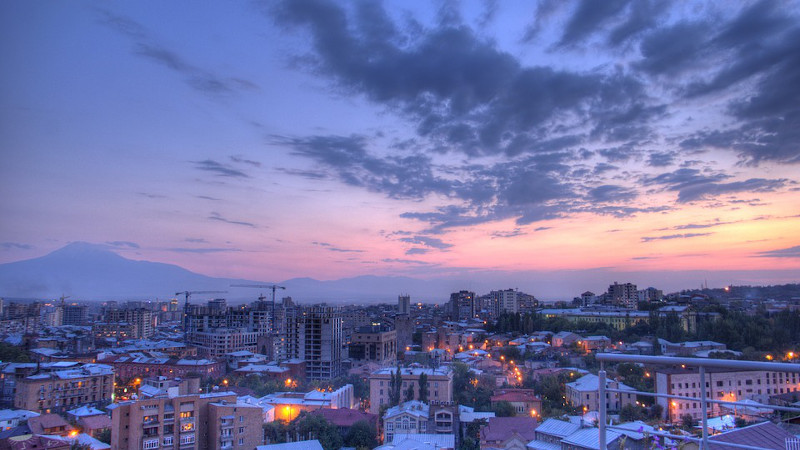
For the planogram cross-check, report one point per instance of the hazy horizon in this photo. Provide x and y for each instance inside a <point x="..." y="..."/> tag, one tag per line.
<point x="556" y="147"/>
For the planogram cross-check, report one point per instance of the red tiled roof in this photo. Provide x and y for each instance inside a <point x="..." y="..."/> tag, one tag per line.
<point x="32" y="442"/>
<point x="500" y="429"/>
<point x="44" y="422"/>
<point x="96" y="422"/>
<point x="344" y="417"/>
<point x="764" y="435"/>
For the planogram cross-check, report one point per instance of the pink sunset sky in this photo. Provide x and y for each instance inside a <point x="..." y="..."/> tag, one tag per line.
<point x="272" y="140"/>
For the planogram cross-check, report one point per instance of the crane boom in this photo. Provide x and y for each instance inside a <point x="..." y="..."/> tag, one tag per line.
<point x="186" y="307"/>
<point x="265" y="286"/>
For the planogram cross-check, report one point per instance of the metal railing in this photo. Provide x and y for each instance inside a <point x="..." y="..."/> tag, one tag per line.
<point x="701" y="364"/>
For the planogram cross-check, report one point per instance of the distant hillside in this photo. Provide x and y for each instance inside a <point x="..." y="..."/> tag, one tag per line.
<point x="93" y="272"/>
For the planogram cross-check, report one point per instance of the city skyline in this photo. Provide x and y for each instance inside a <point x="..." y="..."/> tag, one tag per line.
<point x="492" y="140"/>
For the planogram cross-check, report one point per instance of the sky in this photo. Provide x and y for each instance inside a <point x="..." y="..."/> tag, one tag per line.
<point x="631" y="140"/>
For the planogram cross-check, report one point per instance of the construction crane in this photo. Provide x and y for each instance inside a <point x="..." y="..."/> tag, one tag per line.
<point x="186" y="307"/>
<point x="274" y="287"/>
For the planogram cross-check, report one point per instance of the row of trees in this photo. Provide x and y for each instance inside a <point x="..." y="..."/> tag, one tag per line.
<point x="396" y="386"/>
<point x="761" y="331"/>
<point x="362" y="435"/>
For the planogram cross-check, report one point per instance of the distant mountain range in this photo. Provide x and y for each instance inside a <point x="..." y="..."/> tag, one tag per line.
<point x="87" y="271"/>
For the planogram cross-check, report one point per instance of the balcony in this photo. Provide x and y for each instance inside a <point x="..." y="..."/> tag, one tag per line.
<point x="704" y="387"/>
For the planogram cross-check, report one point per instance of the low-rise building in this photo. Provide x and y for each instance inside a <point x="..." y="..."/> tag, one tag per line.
<point x="585" y="392"/>
<point x="288" y="405"/>
<point x="524" y="401"/>
<point x="508" y="432"/>
<point x="406" y="418"/>
<point x="440" y="385"/>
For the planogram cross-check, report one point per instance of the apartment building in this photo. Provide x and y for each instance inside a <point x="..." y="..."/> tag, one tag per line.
<point x="215" y="421"/>
<point x="721" y="384"/>
<point x="130" y="365"/>
<point x="129" y="323"/>
<point x="217" y="330"/>
<point x="374" y="343"/>
<point x="60" y="390"/>
<point x="585" y="392"/>
<point x="624" y="295"/>
<point x="440" y="385"/>
<point x="314" y="334"/>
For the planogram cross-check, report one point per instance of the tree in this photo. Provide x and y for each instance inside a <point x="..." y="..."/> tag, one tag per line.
<point x="629" y="413"/>
<point x="410" y="392"/>
<point x="503" y="409"/>
<point x="314" y="426"/>
<point x="362" y="435"/>
<point x="423" y="388"/>
<point x="104" y="436"/>
<point x="396" y="388"/>
<point x="687" y="421"/>
<point x="275" y="432"/>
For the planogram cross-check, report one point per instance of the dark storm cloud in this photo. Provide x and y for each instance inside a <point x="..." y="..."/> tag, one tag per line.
<point x="549" y="127"/>
<point x="692" y="185"/>
<point x="145" y="46"/>
<point x="427" y="241"/>
<point x="218" y="168"/>
<point x="219" y="218"/>
<point x="674" y="236"/>
<point x="409" y="177"/>
<point x="417" y="251"/>
<point x="760" y="47"/>
<point x="15" y="245"/>
<point x="643" y="15"/>
<point x="661" y="159"/>
<point x="673" y="49"/>
<point x="611" y="194"/>
<point x="123" y="244"/>
<point x="544" y="11"/>
<point x="528" y="189"/>
<point x="508" y="234"/>
<point x="589" y="17"/>
<point x="437" y="77"/>
<point x="791" y="252"/>
<point x="241" y="160"/>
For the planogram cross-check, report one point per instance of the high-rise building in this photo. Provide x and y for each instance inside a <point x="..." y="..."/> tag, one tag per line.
<point x="623" y="295"/>
<point x="374" y="343"/>
<point x="314" y="334"/>
<point x="75" y="314"/>
<point x="216" y="330"/>
<point x="462" y="305"/>
<point x="135" y="323"/>
<point x="404" y="304"/>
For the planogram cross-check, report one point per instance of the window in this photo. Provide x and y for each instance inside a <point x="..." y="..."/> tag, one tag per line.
<point x="150" y="443"/>
<point x="187" y="439"/>
<point x="241" y="429"/>
<point x="241" y="441"/>
<point x="167" y="440"/>
<point x="241" y="419"/>
<point x="390" y="426"/>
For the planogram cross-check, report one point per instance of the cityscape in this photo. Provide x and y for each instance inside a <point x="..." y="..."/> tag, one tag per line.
<point x="400" y="225"/>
